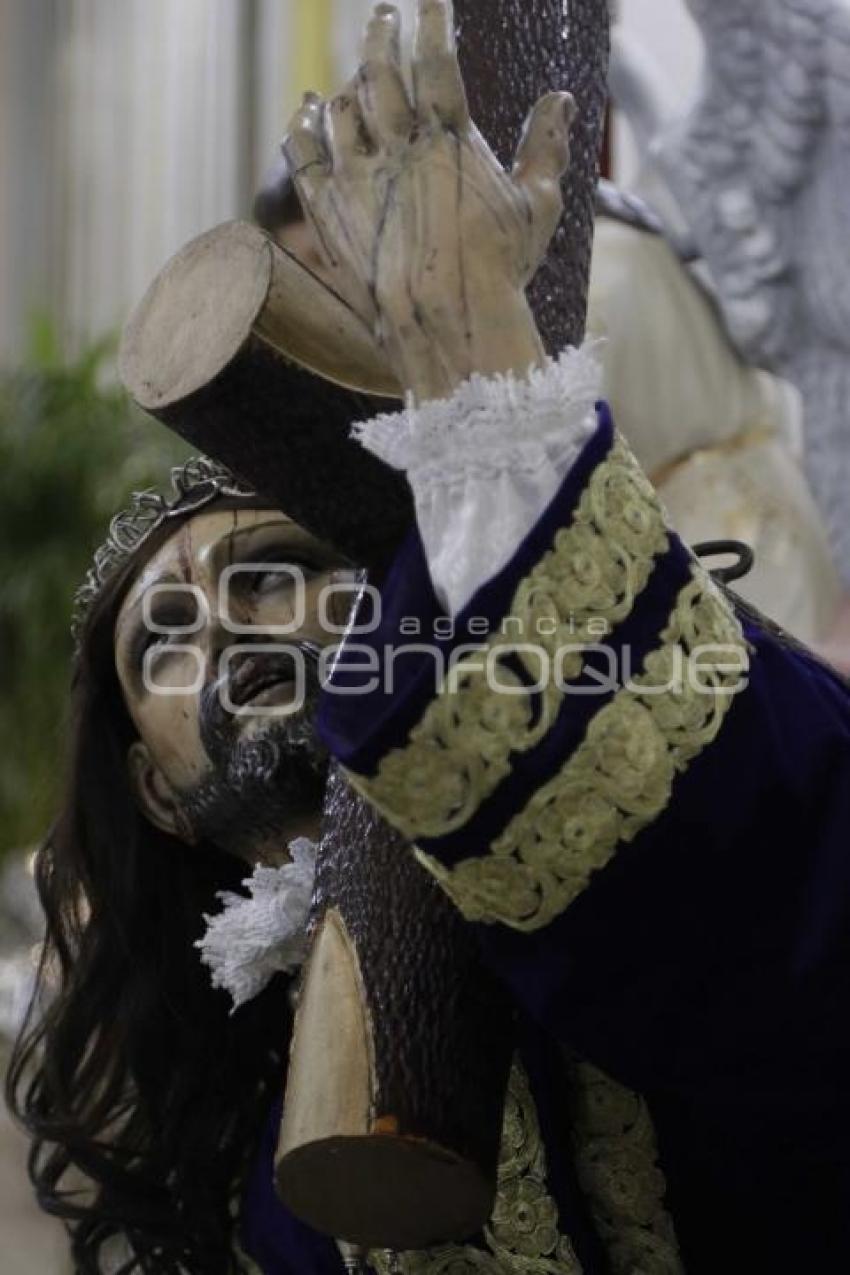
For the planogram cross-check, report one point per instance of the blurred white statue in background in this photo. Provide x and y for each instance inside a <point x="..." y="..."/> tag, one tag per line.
<point x="754" y="188"/>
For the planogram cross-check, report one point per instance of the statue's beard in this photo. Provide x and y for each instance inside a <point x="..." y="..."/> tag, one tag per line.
<point x="260" y="783"/>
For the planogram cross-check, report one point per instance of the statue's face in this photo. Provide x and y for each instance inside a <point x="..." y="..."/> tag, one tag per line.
<point x="227" y="750"/>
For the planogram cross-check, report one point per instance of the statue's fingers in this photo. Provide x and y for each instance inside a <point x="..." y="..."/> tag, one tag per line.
<point x="305" y="144"/>
<point x="435" y="29"/>
<point x="544" y="150"/>
<point x="436" y="73"/>
<point x="382" y="41"/>
<point x="383" y="97"/>
<point x="542" y="159"/>
<point x="347" y="135"/>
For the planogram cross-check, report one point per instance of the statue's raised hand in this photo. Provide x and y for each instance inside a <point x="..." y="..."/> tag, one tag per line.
<point x="421" y="229"/>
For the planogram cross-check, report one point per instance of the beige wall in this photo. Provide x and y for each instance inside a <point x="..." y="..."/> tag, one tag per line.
<point x="127" y="128"/>
<point x="30" y="1242"/>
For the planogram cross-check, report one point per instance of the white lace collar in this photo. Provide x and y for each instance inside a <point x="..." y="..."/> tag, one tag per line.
<point x="254" y="938"/>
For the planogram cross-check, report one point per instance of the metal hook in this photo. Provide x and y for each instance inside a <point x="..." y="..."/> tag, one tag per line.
<point x="726" y="575"/>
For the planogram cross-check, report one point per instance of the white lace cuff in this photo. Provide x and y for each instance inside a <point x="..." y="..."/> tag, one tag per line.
<point x="485" y="464"/>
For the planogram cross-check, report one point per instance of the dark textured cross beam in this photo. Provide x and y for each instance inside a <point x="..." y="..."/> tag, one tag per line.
<point x="512" y="52"/>
<point x="434" y="1031"/>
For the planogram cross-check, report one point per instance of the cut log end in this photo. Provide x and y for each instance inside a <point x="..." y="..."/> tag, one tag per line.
<point x="196" y="315"/>
<point x="372" y="1149"/>
<point x="383" y="1191"/>
<point x="227" y="287"/>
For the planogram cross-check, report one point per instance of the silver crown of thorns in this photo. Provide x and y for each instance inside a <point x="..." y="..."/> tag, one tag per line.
<point x="194" y="485"/>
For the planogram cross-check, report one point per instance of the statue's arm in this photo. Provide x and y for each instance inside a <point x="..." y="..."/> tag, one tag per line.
<point x="638" y="802"/>
<point x="638" y="799"/>
<point x="534" y="518"/>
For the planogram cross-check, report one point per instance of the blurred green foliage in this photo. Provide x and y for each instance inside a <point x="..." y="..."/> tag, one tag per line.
<point x="72" y="449"/>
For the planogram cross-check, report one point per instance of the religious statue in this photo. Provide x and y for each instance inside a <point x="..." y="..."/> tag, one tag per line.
<point x="628" y="791"/>
<point x="738" y="439"/>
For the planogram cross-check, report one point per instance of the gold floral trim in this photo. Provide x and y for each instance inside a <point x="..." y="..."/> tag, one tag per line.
<point x="588" y="582"/>
<point x="620" y="779"/>
<point x="616" y="1156"/>
<point x="523" y="1236"/>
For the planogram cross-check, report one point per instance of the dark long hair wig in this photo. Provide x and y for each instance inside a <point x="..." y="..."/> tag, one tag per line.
<point x="144" y="1098"/>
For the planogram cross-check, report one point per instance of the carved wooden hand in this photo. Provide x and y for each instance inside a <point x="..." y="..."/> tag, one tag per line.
<point x="421" y="229"/>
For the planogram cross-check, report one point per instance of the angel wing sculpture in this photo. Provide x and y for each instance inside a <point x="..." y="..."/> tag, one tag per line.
<point x="762" y="166"/>
<point x="721" y="436"/>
